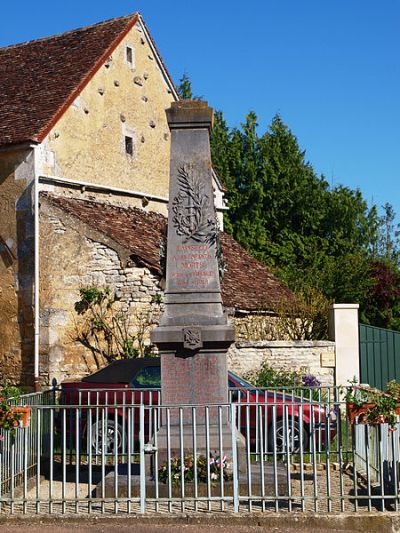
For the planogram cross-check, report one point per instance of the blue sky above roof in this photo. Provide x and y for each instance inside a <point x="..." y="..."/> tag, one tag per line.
<point x="332" y="70"/>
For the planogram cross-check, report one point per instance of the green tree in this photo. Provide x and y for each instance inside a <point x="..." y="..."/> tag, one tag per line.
<point x="185" y="87"/>
<point x="311" y="235"/>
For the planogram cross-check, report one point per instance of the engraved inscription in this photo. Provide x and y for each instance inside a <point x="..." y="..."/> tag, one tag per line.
<point x="192" y="266"/>
<point x="192" y="338"/>
<point x="192" y="210"/>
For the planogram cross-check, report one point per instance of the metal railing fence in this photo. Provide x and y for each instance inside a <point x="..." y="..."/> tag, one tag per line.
<point x="277" y="452"/>
<point x="22" y="461"/>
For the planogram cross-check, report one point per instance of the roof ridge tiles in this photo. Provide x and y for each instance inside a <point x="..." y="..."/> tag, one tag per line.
<point x="69" y="32"/>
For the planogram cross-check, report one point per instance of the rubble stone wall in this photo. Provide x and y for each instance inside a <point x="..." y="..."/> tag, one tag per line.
<point x="315" y="357"/>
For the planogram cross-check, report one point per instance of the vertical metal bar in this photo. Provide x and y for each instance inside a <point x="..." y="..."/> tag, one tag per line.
<point x="257" y="450"/>
<point x="367" y="455"/>
<point x="235" y="466"/>
<point x="156" y="418"/>
<point x="194" y="433"/>
<point x="248" y="458"/>
<point x="328" y="457"/>
<point x="207" y="422"/>
<point x="25" y="488"/>
<point x="395" y="464"/>
<point x="354" y="463"/>
<point x="90" y="456"/>
<point x="339" y="440"/>
<point x="221" y="456"/>
<point x="275" y="458"/>
<point x="51" y="465"/>
<point x="301" y="450"/>
<point x="259" y="407"/>
<point x="182" y="458"/>
<point x="64" y="456"/>
<point x="142" y="463"/>
<point x="77" y="457"/>
<point x="123" y="438"/>
<point x="381" y="468"/>
<point x="116" y="446"/>
<point x="12" y="469"/>
<point x="103" y="444"/>
<point x="129" y="465"/>
<point x="168" y="419"/>
<point x="314" y="459"/>
<point x="39" y="453"/>
<point x="97" y="429"/>
<point x="289" y="445"/>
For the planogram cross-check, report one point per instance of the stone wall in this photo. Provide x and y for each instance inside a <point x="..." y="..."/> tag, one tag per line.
<point x="86" y="262"/>
<point x="16" y="266"/>
<point x="316" y="357"/>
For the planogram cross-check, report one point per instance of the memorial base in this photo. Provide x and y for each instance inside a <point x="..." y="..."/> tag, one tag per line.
<point x="274" y="484"/>
<point x="207" y="442"/>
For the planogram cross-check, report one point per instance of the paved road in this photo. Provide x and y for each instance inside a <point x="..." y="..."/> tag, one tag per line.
<point x="109" y="528"/>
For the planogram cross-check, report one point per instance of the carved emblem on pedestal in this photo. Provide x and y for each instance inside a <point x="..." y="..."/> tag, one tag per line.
<point x="193" y="216"/>
<point x="192" y="338"/>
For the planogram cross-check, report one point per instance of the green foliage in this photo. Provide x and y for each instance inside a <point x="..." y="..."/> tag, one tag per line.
<point x="379" y="407"/>
<point x="297" y="382"/>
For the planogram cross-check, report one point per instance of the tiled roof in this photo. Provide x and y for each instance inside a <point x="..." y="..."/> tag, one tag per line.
<point x="40" y="79"/>
<point x="247" y="284"/>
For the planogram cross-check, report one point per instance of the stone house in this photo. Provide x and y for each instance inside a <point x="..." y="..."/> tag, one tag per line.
<point x="84" y="165"/>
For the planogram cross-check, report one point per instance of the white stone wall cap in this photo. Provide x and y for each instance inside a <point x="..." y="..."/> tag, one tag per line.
<point x="284" y="344"/>
<point x="344" y="306"/>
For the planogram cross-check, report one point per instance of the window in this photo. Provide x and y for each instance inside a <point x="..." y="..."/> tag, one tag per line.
<point x="147" y="378"/>
<point x="130" y="56"/>
<point x="128" y="145"/>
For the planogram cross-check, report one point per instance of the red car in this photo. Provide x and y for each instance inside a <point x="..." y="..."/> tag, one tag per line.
<point x="274" y="417"/>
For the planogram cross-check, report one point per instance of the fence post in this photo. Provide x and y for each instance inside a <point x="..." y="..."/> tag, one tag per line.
<point x="142" y="462"/>
<point x="344" y="330"/>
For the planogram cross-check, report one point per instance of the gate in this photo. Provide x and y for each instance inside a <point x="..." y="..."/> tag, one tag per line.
<point x="379" y="356"/>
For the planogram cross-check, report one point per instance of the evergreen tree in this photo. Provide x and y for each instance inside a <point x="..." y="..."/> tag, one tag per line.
<point x="311" y="235"/>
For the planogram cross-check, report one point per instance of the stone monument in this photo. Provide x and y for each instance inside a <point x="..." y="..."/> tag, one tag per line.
<point x="193" y="335"/>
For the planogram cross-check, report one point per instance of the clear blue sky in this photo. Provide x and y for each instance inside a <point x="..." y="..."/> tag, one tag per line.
<point x="331" y="69"/>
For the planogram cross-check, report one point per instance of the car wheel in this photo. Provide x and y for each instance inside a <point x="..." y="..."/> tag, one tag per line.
<point x="287" y="440"/>
<point x="110" y="441"/>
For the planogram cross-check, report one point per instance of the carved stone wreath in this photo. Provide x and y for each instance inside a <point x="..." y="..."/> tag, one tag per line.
<point x="192" y="210"/>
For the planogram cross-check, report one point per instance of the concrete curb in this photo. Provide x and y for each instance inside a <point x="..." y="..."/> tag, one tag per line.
<point x="371" y="522"/>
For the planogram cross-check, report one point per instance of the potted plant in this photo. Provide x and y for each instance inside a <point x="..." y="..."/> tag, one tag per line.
<point x="12" y="416"/>
<point x="373" y="406"/>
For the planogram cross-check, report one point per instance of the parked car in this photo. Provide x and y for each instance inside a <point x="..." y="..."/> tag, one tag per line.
<point x="284" y="417"/>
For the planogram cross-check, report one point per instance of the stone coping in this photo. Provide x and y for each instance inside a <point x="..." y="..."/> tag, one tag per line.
<point x="284" y="344"/>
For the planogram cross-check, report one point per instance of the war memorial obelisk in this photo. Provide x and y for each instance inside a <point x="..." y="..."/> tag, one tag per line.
<point x="193" y="336"/>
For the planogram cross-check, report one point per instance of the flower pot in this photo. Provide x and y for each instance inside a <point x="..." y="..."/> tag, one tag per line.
<point x="24" y="412"/>
<point x="358" y="414"/>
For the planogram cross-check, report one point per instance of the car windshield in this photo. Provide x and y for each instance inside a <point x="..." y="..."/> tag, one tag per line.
<point x="236" y="381"/>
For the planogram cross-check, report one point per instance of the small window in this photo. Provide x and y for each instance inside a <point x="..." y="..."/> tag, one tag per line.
<point x="130" y="56"/>
<point x="128" y="145"/>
